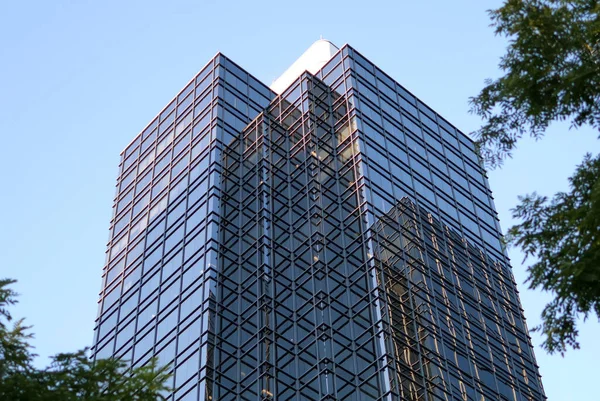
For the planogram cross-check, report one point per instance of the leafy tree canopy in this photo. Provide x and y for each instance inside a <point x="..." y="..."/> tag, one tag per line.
<point x="551" y="73"/>
<point x="70" y="376"/>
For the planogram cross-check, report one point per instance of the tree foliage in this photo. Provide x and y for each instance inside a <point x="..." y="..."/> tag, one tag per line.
<point x="70" y="376"/>
<point x="563" y="234"/>
<point x="551" y="73"/>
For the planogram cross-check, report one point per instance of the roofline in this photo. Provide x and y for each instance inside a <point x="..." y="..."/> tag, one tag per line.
<point x="212" y="59"/>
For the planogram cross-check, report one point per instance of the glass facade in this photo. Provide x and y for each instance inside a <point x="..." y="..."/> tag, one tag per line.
<point x="335" y="242"/>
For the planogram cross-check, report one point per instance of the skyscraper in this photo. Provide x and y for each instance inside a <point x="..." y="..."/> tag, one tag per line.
<point x="328" y="238"/>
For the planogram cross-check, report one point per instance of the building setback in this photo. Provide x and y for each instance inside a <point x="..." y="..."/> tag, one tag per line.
<point x="328" y="238"/>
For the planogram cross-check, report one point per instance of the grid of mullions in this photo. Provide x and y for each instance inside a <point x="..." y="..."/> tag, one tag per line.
<point x="470" y="343"/>
<point x="412" y="151"/>
<point x="405" y="152"/>
<point x="269" y="294"/>
<point x="254" y="332"/>
<point x="161" y="256"/>
<point x="295" y="317"/>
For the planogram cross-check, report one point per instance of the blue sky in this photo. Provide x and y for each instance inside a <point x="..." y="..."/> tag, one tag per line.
<point x="78" y="79"/>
